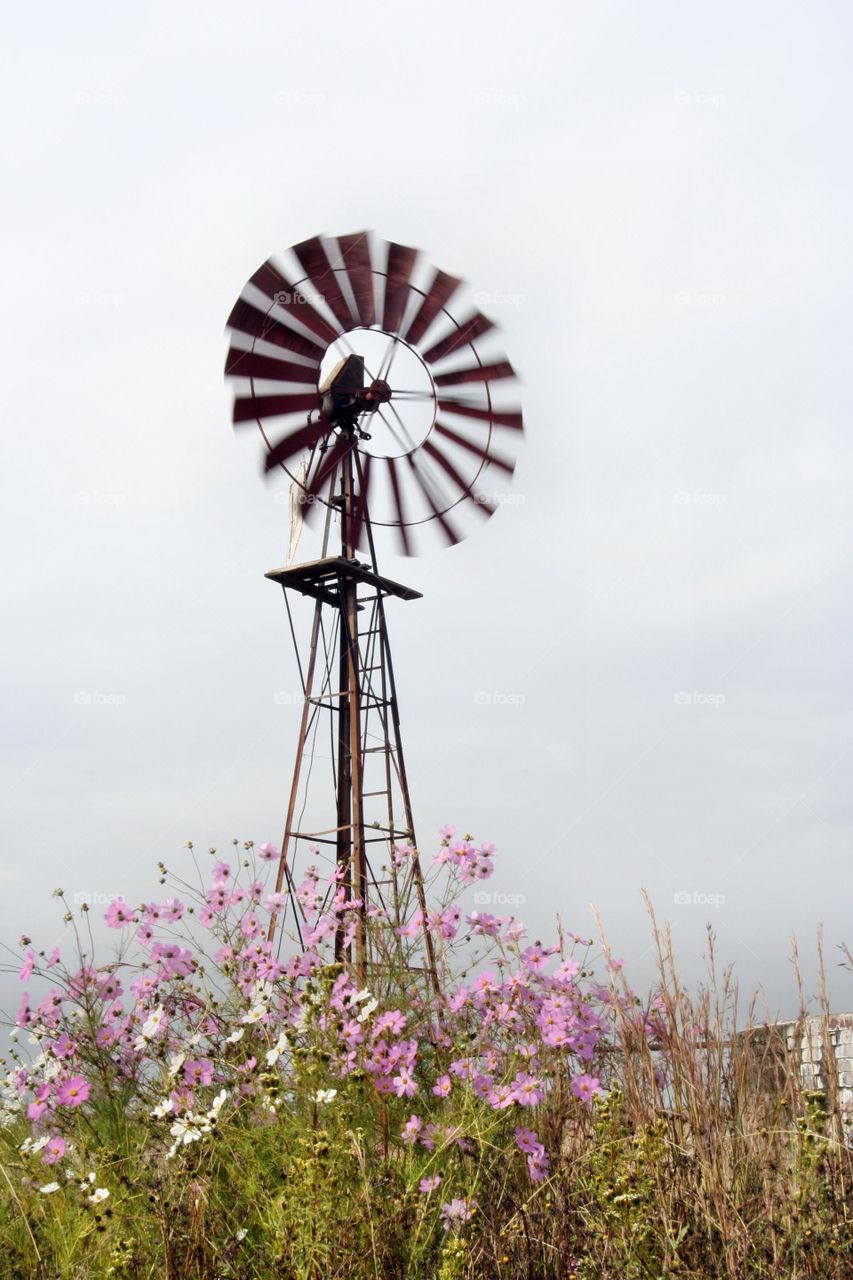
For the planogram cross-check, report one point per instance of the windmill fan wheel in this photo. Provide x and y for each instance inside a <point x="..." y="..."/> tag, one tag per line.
<point x="347" y="349"/>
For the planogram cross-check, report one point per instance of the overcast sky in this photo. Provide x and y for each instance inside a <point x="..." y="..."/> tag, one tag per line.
<point x="657" y="197"/>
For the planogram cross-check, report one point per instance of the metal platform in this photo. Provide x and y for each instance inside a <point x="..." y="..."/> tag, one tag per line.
<point x="322" y="579"/>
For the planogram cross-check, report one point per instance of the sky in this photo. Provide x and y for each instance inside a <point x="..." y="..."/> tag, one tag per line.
<point x="636" y="675"/>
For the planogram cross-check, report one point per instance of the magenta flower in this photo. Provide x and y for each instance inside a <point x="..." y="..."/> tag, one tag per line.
<point x="28" y="966"/>
<point x="457" y="1211"/>
<point x="118" y="914"/>
<point x="586" y="1087"/>
<point x="37" y="1108"/>
<point x="404" y="1085"/>
<point x="73" y="1092"/>
<point x="527" y="1141"/>
<point x="527" y="1090"/>
<point x="442" y="1086"/>
<point x="538" y="1165"/>
<point x="198" y="1071"/>
<point x="54" y="1150"/>
<point x="53" y="958"/>
<point x="411" y="1129"/>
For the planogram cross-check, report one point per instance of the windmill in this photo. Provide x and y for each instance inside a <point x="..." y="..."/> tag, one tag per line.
<point x="375" y="401"/>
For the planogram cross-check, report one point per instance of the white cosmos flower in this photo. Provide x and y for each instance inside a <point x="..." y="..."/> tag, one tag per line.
<point x="325" y="1095"/>
<point x="255" y="1014"/>
<point x="152" y="1023"/>
<point x="49" y="1188"/>
<point x="235" y="1035"/>
<point x="371" y="1006"/>
<point x="175" y="1063"/>
<point x="99" y="1194"/>
<point x="163" y="1108"/>
<point x="277" y="1050"/>
<point x="217" y="1104"/>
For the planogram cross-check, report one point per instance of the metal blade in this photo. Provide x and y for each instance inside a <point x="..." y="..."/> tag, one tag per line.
<point x="398" y="505"/>
<point x="250" y="364"/>
<point x="503" y="464"/>
<point x="437" y="296"/>
<point x="498" y="417"/>
<point x="355" y="251"/>
<point x="314" y="260"/>
<point x="450" y="533"/>
<point x="247" y="318"/>
<point x="467" y="332"/>
<point x="462" y="484"/>
<point x="476" y="373"/>
<point x="326" y="467"/>
<point x="285" y="294"/>
<point x="298" y="441"/>
<point x="254" y="408"/>
<point x="401" y="262"/>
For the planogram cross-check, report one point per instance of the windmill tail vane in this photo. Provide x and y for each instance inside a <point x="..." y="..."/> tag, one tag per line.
<point x="372" y="396"/>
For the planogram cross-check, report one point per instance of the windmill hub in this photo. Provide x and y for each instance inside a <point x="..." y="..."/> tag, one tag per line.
<point x="378" y="393"/>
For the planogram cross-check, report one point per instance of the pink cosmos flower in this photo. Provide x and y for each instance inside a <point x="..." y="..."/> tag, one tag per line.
<point x="269" y="852"/>
<point x="527" y="1141"/>
<point x="527" y="1090"/>
<point x="538" y="1165"/>
<point x="54" y="1150"/>
<point x="62" y="1046"/>
<point x="37" y="1108"/>
<point x="118" y="914"/>
<point x="586" y="1087"/>
<point x="28" y="966"/>
<point x="411" y="1129"/>
<point x="221" y="872"/>
<point x="53" y="958"/>
<point x="404" y="1085"/>
<point x="426" y="1185"/>
<point x="456" y="1211"/>
<point x="198" y="1071"/>
<point x="442" y="1086"/>
<point x="393" y="1021"/>
<point x="73" y="1092"/>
